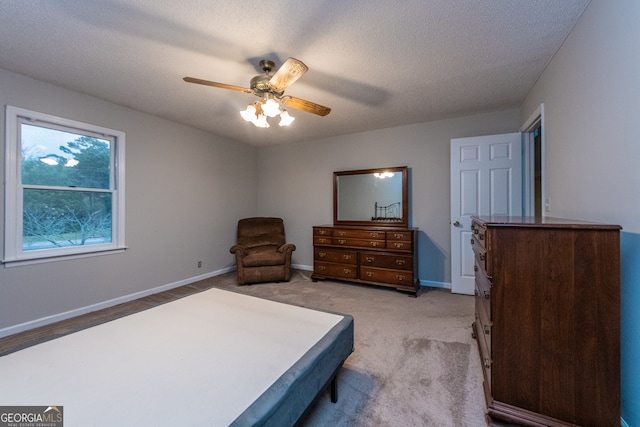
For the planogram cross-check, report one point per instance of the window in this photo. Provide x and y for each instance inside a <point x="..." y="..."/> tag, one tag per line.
<point x="64" y="188"/>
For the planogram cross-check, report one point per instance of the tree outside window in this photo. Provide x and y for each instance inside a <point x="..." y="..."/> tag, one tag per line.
<point x="68" y="191"/>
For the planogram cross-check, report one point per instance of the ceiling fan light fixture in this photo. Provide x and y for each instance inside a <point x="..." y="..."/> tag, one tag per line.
<point x="261" y="121"/>
<point x="285" y="118"/>
<point x="249" y="114"/>
<point x="271" y="108"/>
<point x="258" y="112"/>
<point x="270" y="89"/>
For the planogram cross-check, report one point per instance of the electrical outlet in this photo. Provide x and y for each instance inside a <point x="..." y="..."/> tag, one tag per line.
<point x="547" y="204"/>
<point x="199" y="264"/>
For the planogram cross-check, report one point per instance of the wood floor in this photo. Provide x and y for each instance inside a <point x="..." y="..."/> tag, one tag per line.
<point x="41" y="334"/>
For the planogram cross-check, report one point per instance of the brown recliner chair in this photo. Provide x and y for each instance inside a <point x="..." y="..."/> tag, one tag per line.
<point x="262" y="254"/>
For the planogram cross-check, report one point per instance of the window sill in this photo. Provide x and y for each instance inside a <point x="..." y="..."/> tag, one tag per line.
<point x="20" y="262"/>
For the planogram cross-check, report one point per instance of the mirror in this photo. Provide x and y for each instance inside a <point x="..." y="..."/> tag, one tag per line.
<point x="371" y="197"/>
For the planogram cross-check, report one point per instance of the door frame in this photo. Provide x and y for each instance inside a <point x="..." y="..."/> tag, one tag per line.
<point x="528" y="163"/>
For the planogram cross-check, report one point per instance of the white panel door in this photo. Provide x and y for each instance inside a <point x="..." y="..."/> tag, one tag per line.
<point x="486" y="179"/>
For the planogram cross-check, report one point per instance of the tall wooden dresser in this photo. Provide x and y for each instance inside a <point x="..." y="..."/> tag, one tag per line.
<point x="548" y="320"/>
<point x="385" y="256"/>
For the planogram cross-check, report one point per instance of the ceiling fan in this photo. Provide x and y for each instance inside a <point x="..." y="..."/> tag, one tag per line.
<point x="270" y="88"/>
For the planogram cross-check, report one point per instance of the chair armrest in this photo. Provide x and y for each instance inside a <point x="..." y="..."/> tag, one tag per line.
<point x="237" y="248"/>
<point x="287" y="247"/>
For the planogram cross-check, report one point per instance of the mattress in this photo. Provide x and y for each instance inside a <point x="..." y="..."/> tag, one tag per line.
<point x="215" y="358"/>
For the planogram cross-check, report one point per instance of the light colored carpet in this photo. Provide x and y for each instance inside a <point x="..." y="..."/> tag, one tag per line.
<point x="415" y="362"/>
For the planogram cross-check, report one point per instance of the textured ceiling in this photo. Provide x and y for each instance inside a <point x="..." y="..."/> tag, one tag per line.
<point x="377" y="64"/>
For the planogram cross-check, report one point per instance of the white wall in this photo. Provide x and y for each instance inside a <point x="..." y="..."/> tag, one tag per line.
<point x="296" y="180"/>
<point x="185" y="191"/>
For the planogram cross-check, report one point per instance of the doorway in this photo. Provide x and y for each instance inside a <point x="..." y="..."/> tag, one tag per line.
<point x="534" y="202"/>
<point x="486" y="179"/>
<point x="515" y="186"/>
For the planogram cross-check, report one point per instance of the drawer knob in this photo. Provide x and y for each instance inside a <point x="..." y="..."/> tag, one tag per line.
<point x="374" y="244"/>
<point x="341" y="241"/>
<point x="399" y="245"/>
<point x="347" y="271"/>
<point x="369" y="273"/>
<point x="400" y="261"/>
<point x="401" y="277"/>
<point x="322" y="254"/>
<point x="346" y="257"/>
<point x="369" y="259"/>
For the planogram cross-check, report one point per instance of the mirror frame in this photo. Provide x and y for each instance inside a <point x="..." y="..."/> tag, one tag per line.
<point x="404" y="221"/>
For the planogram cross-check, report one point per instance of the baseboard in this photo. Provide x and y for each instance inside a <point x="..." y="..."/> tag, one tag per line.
<point x="427" y="283"/>
<point x="302" y="267"/>
<point x="432" y="284"/>
<point x="106" y="304"/>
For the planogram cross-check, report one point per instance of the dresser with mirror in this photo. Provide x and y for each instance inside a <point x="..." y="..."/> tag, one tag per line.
<point x="370" y="241"/>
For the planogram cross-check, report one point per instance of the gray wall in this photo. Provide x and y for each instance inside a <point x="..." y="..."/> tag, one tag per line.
<point x="296" y="181"/>
<point x="185" y="190"/>
<point x="591" y="96"/>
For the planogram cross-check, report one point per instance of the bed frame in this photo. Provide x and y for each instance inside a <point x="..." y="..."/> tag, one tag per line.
<point x="287" y="401"/>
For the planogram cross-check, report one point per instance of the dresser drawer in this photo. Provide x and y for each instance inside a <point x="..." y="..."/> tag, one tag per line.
<point x="395" y="277"/>
<point x="397" y="262"/>
<point x="345" y="233"/>
<point x="345" y="271"/>
<point x="335" y="255"/>
<point x="479" y="234"/>
<point x="361" y="243"/>
<point x="399" y="235"/>
<point x="322" y="231"/>
<point x="483" y="292"/>
<point x="482" y="317"/>
<point x="404" y="245"/>
<point x="485" y="353"/>
<point x="322" y="240"/>
<point x="484" y="267"/>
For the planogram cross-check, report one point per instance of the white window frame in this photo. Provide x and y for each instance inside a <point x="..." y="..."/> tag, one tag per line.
<point x="13" y="245"/>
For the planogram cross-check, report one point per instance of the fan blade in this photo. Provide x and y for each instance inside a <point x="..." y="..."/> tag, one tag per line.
<point x="308" y="106"/>
<point x="215" y="84"/>
<point x="290" y="71"/>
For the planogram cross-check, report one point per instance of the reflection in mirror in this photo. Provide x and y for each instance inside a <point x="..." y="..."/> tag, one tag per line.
<point x="372" y="196"/>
